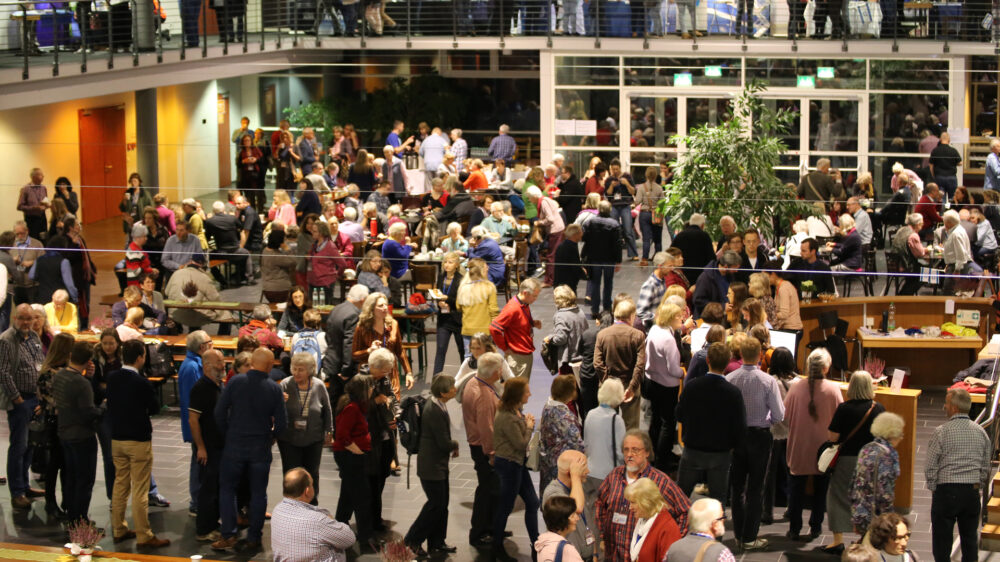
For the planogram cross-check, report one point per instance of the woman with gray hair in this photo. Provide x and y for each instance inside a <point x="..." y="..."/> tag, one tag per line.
<point x="310" y="419"/>
<point x="873" y="489"/>
<point x="136" y="260"/>
<point x="604" y="430"/>
<point x="851" y="429"/>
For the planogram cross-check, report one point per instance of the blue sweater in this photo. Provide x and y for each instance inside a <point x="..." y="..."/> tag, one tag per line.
<point x="398" y="256"/>
<point x="251" y="410"/>
<point x="187" y="375"/>
<point x="489" y="251"/>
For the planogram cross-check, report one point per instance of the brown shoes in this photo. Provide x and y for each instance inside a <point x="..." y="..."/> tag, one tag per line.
<point x="20" y="502"/>
<point x="154" y="542"/>
<point x="122" y="538"/>
<point x="643" y="263"/>
<point x="224" y="543"/>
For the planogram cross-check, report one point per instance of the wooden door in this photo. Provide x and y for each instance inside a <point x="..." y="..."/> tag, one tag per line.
<point x="225" y="142"/>
<point x="208" y="23"/>
<point x="103" y="172"/>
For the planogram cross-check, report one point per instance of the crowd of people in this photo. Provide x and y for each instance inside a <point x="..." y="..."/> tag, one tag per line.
<point x="607" y="488"/>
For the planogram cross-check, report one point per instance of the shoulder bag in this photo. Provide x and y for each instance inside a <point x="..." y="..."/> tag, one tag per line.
<point x="829" y="452"/>
<point x="534" y="451"/>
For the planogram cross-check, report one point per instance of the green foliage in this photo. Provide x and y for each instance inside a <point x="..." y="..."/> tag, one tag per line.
<point x="729" y="171"/>
<point x="321" y="113"/>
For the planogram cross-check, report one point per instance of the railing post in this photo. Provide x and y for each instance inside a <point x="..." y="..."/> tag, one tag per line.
<point x="84" y="16"/>
<point x="409" y="24"/>
<point x="319" y="20"/>
<point x="262" y="35"/>
<point x="454" y="21"/>
<point x="224" y="29"/>
<point x="295" y="24"/>
<point x="550" y="22"/>
<point x="364" y="21"/>
<point x="55" y="42"/>
<point x="111" y="36"/>
<point x="246" y="31"/>
<point x="135" y="32"/>
<point x="204" y="30"/>
<point x="503" y="23"/>
<point x="645" y="22"/>
<point x="24" y="40"/>
<point x="158" y="28"/>
<point x="597" y="23"/>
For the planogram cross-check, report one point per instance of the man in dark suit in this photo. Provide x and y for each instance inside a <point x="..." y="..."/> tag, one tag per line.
<point x="338" y="363"/>
<point x="436" y="447"/>
<point x="569" y="268"/>
<point x="394" y="172"/>
<point x="695" y="245"/>
<point x="571" y="193"/>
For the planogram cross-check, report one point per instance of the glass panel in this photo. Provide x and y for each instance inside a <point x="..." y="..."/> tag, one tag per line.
<point x="580" y="159"/>
<point x="595" y="105"/>
<point x="898" y="120"/>
<point x="984" y="95"/>
<point x="653" y="71"/>
<point x="788" y="175"/>
<point x="833" y="125"/>
<point x="643" y="160"/>
<point x="594" y="71"/>
<point x="653" y="121"/>
<point x="706" y="111"/>
<point x="840" y="162"/>
<point x="828" y="73"/>
<point x="791" y="137"/>
<point x="909" y="75"/>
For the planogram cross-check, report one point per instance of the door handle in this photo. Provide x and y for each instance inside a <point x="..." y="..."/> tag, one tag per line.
<point x="108" y="167"/>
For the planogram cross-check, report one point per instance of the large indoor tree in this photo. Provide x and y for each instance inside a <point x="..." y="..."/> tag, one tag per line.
<point x="728" y="169"/>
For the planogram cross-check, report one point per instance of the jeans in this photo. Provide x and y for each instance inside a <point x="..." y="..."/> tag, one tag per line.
<point x="194" y="479"/>
<point x="663" y="426"/>
<point x="55" y="467"/>
<point x="355" y="496"/>
<point x="19" y="453"/>
<point x="255" y="460"/>
<point x="777" y="479"/>
<point x="431" y="523"/>
<point x="652" y="234"/>
<point x="796" y="500"/>
<point x="104" y="439"/>
<point x="307" y="457"/>
<point x="550" y="267"/>
<point x="749" y="469"/>
<point x="350" y="12"/>
<point x="190" y="12"/>
<point x="208" y="493"/>
<point x="951" y="503"/>
<point x="515" y="480"/>
<point x="948" y="183"/>
<point x="80" y="457"/>
<point x="487" y="494"/>
<point x="573" y="19"/>
<point x="597" y="273"/>
<point x="683" y="26"/>
<point x="443" y="336"/>
<point x="623" y="216"/>
<point x="709" y="467"/>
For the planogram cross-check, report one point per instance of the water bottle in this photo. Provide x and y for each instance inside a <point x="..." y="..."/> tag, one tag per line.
<point x="892" y="317"/>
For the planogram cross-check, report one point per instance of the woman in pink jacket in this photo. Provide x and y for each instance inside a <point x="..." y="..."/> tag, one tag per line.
<point x="325" y="262"/>
<point x="559" y="513"/>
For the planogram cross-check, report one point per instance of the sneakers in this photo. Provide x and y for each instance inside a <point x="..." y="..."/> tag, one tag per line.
<point x="210" y="537"/>
<point x="758" y="544"/>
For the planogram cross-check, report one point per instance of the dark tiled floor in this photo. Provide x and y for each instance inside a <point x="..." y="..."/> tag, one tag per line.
<point x="172" y="456"/>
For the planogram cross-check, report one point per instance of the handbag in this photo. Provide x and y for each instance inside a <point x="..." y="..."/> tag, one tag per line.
<point x="38" y="431"/>
<point x="826" y="457"/>
<point x="550" y="357"/>
<point x="534" y="451"/>
<point x="537" y="237"/>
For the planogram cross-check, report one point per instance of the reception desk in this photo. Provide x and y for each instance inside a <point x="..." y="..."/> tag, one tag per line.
<point x="930" y="366"/>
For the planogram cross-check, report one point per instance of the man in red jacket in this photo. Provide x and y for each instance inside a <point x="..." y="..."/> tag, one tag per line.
<point x="512" y="329"/>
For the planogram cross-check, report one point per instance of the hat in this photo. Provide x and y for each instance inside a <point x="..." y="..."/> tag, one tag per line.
<point x="697" y="219"/>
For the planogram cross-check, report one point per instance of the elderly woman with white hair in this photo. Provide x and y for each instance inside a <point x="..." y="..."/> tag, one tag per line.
<point x="809" y="407"/>
<point x="569" y="324"/>
<point x="551" y="222"/>
<point x="915" y="182"/>
<point x="906" y="244"/>
<point x="851" y="429"/>
<point x="604" y="430"/>
<point x="847" y="254"/>
<point x="61" y="313"/>
<point x="793" y="246"/>
<point x="957" y="252"/>
<point x="310" y="419"/>
<point x="453" y="240"/>
<point x="396" y="250"/>
<point x="136" y="259"/>
<point x="873" y="488"/>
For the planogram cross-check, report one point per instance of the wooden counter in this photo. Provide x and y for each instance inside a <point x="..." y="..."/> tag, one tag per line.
<point x="928" y="366"/>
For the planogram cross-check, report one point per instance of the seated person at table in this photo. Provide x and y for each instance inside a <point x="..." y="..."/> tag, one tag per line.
<point x="341" y="240"/>
<point x="262" y="327"/>
<point x="371" y="213"/>
<point x="395" y="286"/>
<point x="499" y="226"/>
<point x="436" y="197"/>
<point x="846" y="254"/>
<point x="396" y="250"/>
<point x="487" y="249"/>
<point x="193" y="285"/>
<point x="350" y="226"/>
<point x="295" y="307"/>
<point x="62" y="313"/>
<point x="813" y="268"/>
<point x="986" y="240"/>
<point x="908" y="248"/>
<point x="132" y="297"/>
<point x="928" y="206"/>
<point x="460" y="205"/>
<point x="395" y="215"/>
<point x="453" y="241"/>
<point x="381" y="197"/>
<point x="369" y="273"/>
<point x="131" y="328"/>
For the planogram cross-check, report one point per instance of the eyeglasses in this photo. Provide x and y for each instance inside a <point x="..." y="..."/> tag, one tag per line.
<point x="902" y="537"/>
<point x="633" y="451"/>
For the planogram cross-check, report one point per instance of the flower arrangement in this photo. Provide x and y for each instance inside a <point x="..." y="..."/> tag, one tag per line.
<point x="397" y="551"/>
<point x="808" y="290"/>
<point x="83" y="537"/>
<point x="874" y="366"/>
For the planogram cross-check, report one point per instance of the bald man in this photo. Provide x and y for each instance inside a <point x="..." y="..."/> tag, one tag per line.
<point x="21" y="350"/>
<point x="301" y="532"/>
<point x="207" y="440"/>
<point x="250" y="415"/>
<point x="572" y="481"/>
<point x="944" y="162"/>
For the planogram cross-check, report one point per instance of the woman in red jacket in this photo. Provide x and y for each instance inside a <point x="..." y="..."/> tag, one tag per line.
<point x="351" y="443"/>
<point x="655" y="530"/>
<point x="325" y="261"/>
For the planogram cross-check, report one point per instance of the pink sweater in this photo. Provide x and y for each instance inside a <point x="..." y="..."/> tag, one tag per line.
<point x="547" y="545"/>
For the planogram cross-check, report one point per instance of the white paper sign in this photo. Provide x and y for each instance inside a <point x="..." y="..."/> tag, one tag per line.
<point x="897" y="380"/>
<point x="959" y="135"/>
<point x="949" y="306"/>
<point x="783" y="339"/>
<point x="586" y="128"/>
<point x="698" y="338"/>
<point x="565" y="127"/>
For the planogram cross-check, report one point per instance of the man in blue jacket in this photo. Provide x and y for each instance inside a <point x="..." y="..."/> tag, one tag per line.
<point x="487" y="249"/>
<point x="198" y="342"/>
<point x="713" y="284"/>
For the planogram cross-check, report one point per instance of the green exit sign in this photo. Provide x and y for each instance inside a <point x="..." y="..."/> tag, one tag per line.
<point x="825" y="72"/>
<point x="713" y="71"/>
<point x="806" y="81"/>
<point x="682" y="79"/>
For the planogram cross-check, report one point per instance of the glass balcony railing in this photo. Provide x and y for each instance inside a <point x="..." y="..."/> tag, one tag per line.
<point x="51" y="35"/>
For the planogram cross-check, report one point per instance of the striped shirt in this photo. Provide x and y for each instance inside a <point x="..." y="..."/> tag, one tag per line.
<point x="23" y="378"/>
<point x="959" y="453"/>
<point x="615" y="518"/>
<point x="761" y="396"/>
<point x="304" y="533"/>
<point x="502" y="147"/>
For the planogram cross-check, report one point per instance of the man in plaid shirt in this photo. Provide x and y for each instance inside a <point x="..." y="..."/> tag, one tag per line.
<point x="614" y="516"/>
<point x="459" y="148"/>
<point x="502" y="147"/>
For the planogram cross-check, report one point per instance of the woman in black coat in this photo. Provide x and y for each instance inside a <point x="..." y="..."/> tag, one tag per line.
<point x="449" y="321"/>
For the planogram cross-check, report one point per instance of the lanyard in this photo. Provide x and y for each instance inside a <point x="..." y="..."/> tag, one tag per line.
<point x="489" y="386"/>
<point x="583" y="514"/>
<point x="303" y="402"/>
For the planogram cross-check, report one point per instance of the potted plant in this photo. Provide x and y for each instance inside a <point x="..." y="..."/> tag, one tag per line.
<point x="397" y="551"/>
<point x="83" y="538"/>
<point x="808" y="290"/>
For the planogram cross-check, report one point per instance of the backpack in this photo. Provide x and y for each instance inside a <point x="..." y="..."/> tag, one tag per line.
<point x="408" y="426"/>
<point x="307" y="342"/>
<point x="160" y="361"/>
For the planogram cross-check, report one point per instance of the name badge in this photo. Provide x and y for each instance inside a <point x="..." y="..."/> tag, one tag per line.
<point x="590" y="538"/>
<point x="618" y="196"/>
<point x="300" y="425"/>
<point x="619" y="518"/>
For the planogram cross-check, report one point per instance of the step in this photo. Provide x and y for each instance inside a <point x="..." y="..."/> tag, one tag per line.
<point x="996" y="485"/>
<point x="993" y="511"/>
<point x="991" y="537"/>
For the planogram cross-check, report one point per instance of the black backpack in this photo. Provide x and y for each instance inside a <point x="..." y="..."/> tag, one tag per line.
<point x="408" y="425"/>
<point x="159" y="361"/>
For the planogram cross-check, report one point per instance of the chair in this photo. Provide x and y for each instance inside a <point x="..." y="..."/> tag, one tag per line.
<point x="836" y="341"/>
<point x="871" y="269"/>
<point x="520" y="259"/>
<point x="510" y="264"/>
<point x="893" y="264"/>
<point x="424" y="276"/>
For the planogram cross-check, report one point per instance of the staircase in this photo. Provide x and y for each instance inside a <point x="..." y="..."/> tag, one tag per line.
<point x="991" y="530"/>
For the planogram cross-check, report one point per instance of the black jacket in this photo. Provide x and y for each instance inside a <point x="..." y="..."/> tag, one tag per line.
<point x="713" y="414"/>
<point x="602" y="238"/>
<point x="571" y="197"/>
<point x="436" y="443"/>
<point x="569" y="268"/>
<point x="339" y="339"/>
<point x="711" y="287"/>
<point x="848" y="251"/>
<point x="696" y="246"/>
<point x="459" y="207"/>
<point x="745" y="269"/>
<point x="452" y="320"/>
